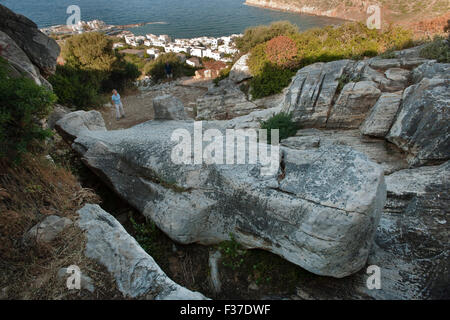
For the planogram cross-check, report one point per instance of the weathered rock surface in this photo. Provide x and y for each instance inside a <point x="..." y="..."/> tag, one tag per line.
<point x="76" y="122"/>
<point x="322" y="215"/>
<point x="382" y="116"/>
<point x="387" y="155"/>
<point x="422" y="127"/>
<point x="414" y="52"/>
<point x="167" y="107"/>
<point x="353" y="105"/>
<point x="340" y="94"/>
<point x="240" y="70"/>
<point x="430" y="70"/>
<point x="57" y="114"/>
<point x="136" y="273"/>
<point x="302" y="141"/>
<point x="401" y="62"/>
<point x="363" y="72"/>
<point x="312" y="92"/>
<point x="274" y="101"/>
<point x="40" y="49"/>
<point x="253" y="119"/>
<point x="392" y="80"/>
<point x="410" y="247"/>
<point x="224" y="102"/>
<point x="399" y="76"/>
<point x="411" y="244"/>
<point x="47" y="230"/>
<point x="19" y="60"/>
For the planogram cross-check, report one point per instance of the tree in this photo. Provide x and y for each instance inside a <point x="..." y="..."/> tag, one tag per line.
<point x="91" y="67"/>
<point x="121" y="77"/>
<point x="90" y="51"/>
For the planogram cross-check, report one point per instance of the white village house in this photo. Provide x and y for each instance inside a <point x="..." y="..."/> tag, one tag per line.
<point x="153" y="52"/>
<point x="193" y="62"/>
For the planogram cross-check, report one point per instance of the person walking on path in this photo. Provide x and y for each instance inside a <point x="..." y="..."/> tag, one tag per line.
<point x="168" y="69"/>
<point x="118" y="104"/>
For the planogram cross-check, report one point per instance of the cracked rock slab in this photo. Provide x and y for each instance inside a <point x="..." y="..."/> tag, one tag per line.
<point x="322" y="216"/>
<point x="312" y="92"/>
<point x="340" y="94"/>
<point x="353" y="105"/>
<point x="382" y="116"/>
<point x="411" y="243"/>
<point x="136" y="273"/>
<point x="387" y="155"/>
<point x="422" y="126"/>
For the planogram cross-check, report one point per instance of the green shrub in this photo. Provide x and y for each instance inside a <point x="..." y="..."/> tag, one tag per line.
<point x="77" y="87"/>
<point x="146" y="235"/>
<point x="179" y="69"/>
<point x="283" y="122"/>
<point x="271" y="80"/>
<point x="22" y="105"/>
<point x="258" y="59"/>
<point x="438" y="49"/>
<point x="233" y="253"/>
<point x="260" y="34"/>
<point x="348" y="41"/>
<point x="135" y="59"/>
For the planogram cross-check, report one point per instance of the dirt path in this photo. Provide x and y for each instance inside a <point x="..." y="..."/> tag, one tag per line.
<point x="139" y="107"/>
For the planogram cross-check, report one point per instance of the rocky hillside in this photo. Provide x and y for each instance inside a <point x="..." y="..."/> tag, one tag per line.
<point x="392" y="11"/>
<point x="396" y="111"/>
<point x="28" y="50"/>
<point x="364" y="182"/>
<point x="48" y="221"/>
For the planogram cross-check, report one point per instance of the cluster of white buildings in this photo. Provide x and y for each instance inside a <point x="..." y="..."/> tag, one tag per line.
<point x="133" y="40"/>
<point x="81" y="27"/>
<point x="94" y="25"/>
<point x="201" y="47"/>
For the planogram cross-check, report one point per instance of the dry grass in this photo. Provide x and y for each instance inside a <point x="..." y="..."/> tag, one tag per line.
<point x="28" y="193"/>
<point x="427" y="28"/>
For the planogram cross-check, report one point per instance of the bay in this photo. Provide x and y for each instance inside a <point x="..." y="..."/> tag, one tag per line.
<point x="178" y="18"/>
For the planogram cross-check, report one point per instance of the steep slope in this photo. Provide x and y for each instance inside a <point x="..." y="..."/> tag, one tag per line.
<point x="40" y="200"/>
<point x="392" y="11"/>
